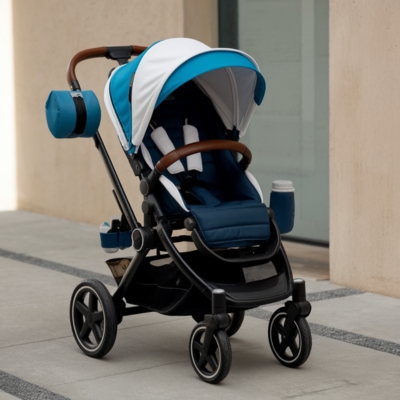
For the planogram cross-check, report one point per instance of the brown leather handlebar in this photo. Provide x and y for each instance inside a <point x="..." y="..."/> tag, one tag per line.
<point x="205" y="145"/>
<point x="96" y="52"/>
<point x="81" y="56"/>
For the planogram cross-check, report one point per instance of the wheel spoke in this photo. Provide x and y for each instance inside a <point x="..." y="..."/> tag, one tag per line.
<point x="92" y="302"/>
<point x="97" y="332"/>
<point x="81" y="307"/>
<point x="294" y="334"/>
<point x="201" y="361"/>
<point x="198" y="346"/>
<point x="278" y="328"/>
<point x="294" y="348"/>
<point x="212" y="361"/>
<point x="84" y="331"/>
<point x="97" y="316"/>
<point x="283" y="346"/>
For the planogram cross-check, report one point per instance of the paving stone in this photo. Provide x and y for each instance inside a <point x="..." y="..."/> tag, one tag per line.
<point x="150" y="358"/>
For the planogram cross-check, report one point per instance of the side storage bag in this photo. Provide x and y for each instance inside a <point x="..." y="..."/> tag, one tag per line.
<point x="72" y="114"/>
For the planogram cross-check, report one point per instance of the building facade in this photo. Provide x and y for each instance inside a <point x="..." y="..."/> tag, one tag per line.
<point x="328" y="122"/>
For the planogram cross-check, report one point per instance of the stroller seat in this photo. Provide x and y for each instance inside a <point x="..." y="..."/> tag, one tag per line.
<point x="224" y="200"/>
<point x="233" y="224"/>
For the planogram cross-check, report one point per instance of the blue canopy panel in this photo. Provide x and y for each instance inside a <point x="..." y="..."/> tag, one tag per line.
<point x="121" y="81"/>
<point x="120" y="86"/>
<point x="207" y="62"/>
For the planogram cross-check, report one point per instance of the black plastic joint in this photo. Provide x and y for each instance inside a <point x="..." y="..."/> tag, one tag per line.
<point x="217" y="321"/>
<point x="223" y="320"/>
<point x="299" y="290"/>
<point x="148" y="184"/>
<point x="292" y="308"/>
<point x="147" y="208"/>
<point x="211" y="320"/>
<point x="162" y="227"/>
<point x="153" y="177"/>
<point x="142" y="239"/>
<point x="74" y="85"/>
<point x="145" y="187"/>
<point x="190" y="223"/>
<point x="304" y="308"/>
<point x="119" y="52"/>
<point x="271" y="213"/>
<point x="218" y="301"/>
<point x="137" y="167"/>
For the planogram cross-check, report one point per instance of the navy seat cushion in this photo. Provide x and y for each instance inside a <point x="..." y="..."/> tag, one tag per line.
<point x="233" y="224"/>
<point x="232" y="214"/>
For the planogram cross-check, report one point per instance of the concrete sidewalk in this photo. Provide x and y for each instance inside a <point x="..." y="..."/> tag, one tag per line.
<point x="356" y="335"/>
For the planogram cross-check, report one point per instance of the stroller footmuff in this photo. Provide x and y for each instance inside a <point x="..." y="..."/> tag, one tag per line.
<point x="180" y="110"/>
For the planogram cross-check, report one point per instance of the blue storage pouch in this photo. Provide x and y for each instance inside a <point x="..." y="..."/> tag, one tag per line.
<point x="72" y="114"/>
<point x="125" y="239"/>
<point x="115" y="240"/>
<point x="109" y="240"/>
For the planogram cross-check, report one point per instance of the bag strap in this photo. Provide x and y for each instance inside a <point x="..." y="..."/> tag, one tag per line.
<point x="81" y="115"/>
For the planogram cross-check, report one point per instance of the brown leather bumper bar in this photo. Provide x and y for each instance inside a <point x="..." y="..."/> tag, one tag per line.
<point x="205" y="145"/>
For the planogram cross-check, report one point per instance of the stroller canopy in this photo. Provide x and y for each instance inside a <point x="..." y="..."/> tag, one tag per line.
<point x="230" y="78"/>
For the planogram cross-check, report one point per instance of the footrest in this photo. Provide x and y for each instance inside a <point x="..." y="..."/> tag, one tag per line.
<point x="253" y="294"/>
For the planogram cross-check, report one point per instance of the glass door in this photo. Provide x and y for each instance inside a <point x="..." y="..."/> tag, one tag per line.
<point x="289" y="134"/>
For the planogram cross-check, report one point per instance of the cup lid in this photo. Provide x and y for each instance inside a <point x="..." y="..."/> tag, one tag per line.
<point x="282" y="186"/>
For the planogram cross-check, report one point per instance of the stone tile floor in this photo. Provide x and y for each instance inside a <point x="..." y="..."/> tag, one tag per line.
<point x="356" y="339"/>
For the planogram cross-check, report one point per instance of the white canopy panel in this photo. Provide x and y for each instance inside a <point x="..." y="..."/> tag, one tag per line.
<point x="231" y="89"/>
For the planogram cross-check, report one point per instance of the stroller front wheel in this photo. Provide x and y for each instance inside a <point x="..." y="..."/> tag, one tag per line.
<point x="294" y="350"/>
<point x="213" y="366"/>
<point x="236" y="322"/>
<point x="93" y="318"/>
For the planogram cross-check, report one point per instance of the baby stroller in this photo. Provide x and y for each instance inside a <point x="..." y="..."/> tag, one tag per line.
<point x="180" y="109"/>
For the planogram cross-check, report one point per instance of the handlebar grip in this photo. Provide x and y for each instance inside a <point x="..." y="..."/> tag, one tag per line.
<point x="77" y="58"/>
<point x="113" y="53"/>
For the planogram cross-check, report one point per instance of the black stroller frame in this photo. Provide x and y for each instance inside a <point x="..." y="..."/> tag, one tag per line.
<point x="218" y="307"/>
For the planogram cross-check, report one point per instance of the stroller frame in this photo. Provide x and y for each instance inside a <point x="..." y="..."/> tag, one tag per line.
<point x="209" y="346"/>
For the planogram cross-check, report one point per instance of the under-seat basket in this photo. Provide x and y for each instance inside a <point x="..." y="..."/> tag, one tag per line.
<point x="160" y="286"/>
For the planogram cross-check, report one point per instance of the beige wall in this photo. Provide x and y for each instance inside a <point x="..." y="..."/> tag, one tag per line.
<point x="8" y="192"/>
<point x="365" y="144"/>
<point x="66" y="178"/>
<point x="200" y="20"/>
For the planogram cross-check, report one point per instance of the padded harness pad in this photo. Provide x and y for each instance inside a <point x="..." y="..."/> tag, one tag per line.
<point x="233" y="223"/>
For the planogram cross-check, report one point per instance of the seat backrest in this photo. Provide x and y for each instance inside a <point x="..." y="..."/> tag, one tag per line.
<point x="221" y="174"/>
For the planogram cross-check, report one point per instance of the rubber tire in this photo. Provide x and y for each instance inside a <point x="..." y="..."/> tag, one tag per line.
<point x="223" y="351"/>
<point x="237" y="318"/>
<point x="106" y="327"/>
<point x="301" y="331"/>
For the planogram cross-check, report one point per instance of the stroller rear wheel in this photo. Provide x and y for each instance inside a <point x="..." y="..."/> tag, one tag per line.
<point x="213" y="366"/>
<point x="294" y="350"/>
<point x="93" y="318"/>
